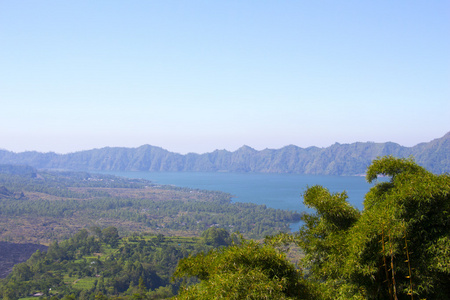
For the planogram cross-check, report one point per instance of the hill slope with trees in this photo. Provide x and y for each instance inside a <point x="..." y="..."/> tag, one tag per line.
<point x="43" y="206"/>
<point x="99" y="264"/>
<point x="396" y="248"/>
<point x="338" y="159"/>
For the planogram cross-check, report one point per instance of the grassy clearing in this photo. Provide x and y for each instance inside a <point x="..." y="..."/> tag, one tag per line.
<point x="80" y="283"/>
<point x="85" y="283"/>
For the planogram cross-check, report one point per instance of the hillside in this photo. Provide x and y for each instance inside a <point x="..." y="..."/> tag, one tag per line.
<point x="90" y="263"/>
<point x="338" y="159"/>
<point x="43" y="206"/>
<point x="12" y="254"/>
<point x="396" y="247"/>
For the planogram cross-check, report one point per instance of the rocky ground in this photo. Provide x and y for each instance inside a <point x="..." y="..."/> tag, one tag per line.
<point x="12" y="253"/>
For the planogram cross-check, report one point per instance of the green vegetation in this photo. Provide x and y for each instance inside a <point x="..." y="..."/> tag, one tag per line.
<point x="396" y="248"/>
<point x="245" y="271"/>
<point x="90" y="264"/>
<point x="39" y="206"/>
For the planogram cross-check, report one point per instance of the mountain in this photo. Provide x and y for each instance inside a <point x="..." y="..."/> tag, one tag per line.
<point x="338" y="159"/>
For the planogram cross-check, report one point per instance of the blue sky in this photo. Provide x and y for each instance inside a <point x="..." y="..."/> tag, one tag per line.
<point x="195" y="76"/>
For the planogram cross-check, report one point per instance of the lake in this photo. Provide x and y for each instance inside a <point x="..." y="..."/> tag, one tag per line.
<point x="283" y="191"/>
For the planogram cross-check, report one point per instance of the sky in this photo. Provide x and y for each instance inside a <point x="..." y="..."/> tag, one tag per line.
<point x="195" y="76"/>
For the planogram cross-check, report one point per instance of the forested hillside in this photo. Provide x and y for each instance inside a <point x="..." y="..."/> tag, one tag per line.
<point x="338" y="159"/>
<point x="396" y="248"/>
<point x="99" y="263"/>
<point x="43" y="206"/>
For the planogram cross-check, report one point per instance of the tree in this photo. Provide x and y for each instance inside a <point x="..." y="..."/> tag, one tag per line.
<point x="96" y="230"/>
<point x="160" y="238"/>
<point x="110" y="235"/>
<point x="405" y="230"/>
<point x="216" y="237"/>
<point x="9" y="294"/>
<point x="22" y="272"/>
<point x="100" y="296"/>
<point x="246" y="271"/>
<point x="323" y="241"/>
<point x="397" y="248"/>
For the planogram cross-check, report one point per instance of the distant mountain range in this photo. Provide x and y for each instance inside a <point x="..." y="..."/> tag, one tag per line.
<point x="338" y="159"/>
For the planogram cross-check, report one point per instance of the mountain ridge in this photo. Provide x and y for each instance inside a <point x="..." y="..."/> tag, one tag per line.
<point x="337" y="159"/>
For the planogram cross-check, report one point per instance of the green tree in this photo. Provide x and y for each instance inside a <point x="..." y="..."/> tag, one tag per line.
<point x="246" y="271"/>
<point x="9" y="294"/>
<point x="111" y="236"/>
<point x="323" y="239"/>
<point x="100" y="296"/>
<point x="96" y="230"/>
<point x="216" y="237"/>
<point x="399" y="245"/>
<point x="22" y="272"/>
<point x="160" y="238"/>
<point x="396" y="248"/>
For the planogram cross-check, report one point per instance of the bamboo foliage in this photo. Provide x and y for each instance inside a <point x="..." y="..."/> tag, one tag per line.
<point x="388" y="263"/>
<point x="410" y="292"/>
<point x="391" y="253"/>
<point x="386" y="269"/>
<point x="395" y="248"/>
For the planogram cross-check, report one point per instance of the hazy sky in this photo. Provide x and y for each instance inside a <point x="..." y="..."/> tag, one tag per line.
<point x="195" y="76"/>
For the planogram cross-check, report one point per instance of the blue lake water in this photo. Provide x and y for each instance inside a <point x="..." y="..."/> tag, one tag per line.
<point x="283" y="191"/>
